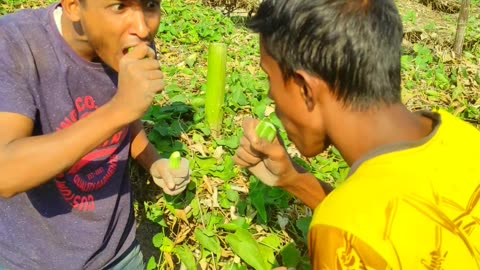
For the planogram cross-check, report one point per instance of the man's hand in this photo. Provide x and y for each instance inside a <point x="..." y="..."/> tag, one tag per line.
<point x="267" y="161"/>
<point x="140" y="79"/>
<point x="172" y="181"/>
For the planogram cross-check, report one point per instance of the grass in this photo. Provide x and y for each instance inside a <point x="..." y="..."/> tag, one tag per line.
<point x="227" y="217"/>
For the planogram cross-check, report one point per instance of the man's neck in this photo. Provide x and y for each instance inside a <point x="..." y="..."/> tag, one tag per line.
<point x="73" y="35"/>
<point x="362" y="132"/>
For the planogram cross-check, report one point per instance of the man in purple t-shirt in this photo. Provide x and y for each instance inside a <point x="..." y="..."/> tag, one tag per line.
<point x="71" y="99"/>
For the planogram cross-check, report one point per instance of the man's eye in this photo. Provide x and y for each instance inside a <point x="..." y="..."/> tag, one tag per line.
<point x="118" y="7"/>
<point x="153" y="4"/>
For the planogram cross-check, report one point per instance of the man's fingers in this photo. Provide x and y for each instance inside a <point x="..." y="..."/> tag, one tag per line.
<point x="181" y="180"/>
<point x="247" y="145"/>
<point x="150" y="65"/>
<point x="274" y="151"/>
<point x="182" y="185"/>
<point x="256" y="144"/>
<point x="249" y="125"/>
<point x="141" y="51"/>
<point x="169" y="182"/>
<point x="155" y="74"/>
<point x="150" y="53"/>
<point x="170" y="186"/>
<point x="173" y="192"/>
<point x="240" y="162"/>
<point x="157" y="86"/>
<point x="176" y="189"/>
<point x="246" y="157"/>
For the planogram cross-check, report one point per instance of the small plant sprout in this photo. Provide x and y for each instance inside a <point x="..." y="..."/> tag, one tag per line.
<point x="215" y="96"/>
<point x="266" y="130"/>
<point x="174" y="160"/>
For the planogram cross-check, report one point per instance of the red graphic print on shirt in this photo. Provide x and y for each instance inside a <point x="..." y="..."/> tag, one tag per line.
<point x="94" y="170"/>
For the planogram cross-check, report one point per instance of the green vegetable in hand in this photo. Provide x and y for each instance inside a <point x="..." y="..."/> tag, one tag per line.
<point x="266" y="130"/>
<point x="175" y="159"/>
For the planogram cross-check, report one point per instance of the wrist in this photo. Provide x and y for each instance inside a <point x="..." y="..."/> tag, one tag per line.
<point x="305" y="187"/>
<point x="289" y="178"/>
<point x="116" y="116"/>
<point x="157" y="165"/>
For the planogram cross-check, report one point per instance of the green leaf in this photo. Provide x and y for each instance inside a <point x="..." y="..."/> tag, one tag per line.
<point x="178" y="98"/>
<point x="303" y="224"/>
<point x="152" y="264"/>
<point x="268" y="247"/>
<point x="205" y="163"/>
<point x="229" y="226"/>
<point x="235" y="266"/>
<point x="232" y="195"/>
<point x="158" y="240"/>
<point x="198" y="102"/>
<point x="231" y="142"/>
<point x="185" y="256"/>
<point x="259" y="108"/>
<point x="175" y="129"/>
<point x="167" y="245"/>
<point x="290" y="256"/>
<point x="245" y="246"/>
<point x="239" y="223"/>
<point x="226" y="170"/>
<point x="154" y="213"/>
<point x="477" y="77"/>
<point x="213" y="221"/>
<point x="272" y="241"/>
<point x="238" y="97"/>
<point x="258" y="201"/>
<point x="211" y="243"/>
<point x="191" y="59"/>
<point x="224" y="202"/>
<point x="268" y="254"/>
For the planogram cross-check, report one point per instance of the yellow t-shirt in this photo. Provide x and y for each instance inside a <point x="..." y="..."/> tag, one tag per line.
<point x="407" y="206"/>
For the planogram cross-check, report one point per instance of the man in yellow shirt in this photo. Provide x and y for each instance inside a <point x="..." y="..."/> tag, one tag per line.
<point x="411" y="199"/>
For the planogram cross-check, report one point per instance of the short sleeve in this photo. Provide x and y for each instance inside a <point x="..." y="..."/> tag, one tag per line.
<point x="15" y="72"/>
<point x="331" y="248"/>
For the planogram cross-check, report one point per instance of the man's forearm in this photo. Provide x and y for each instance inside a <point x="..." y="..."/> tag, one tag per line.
<point x="306" y="187"/>
<point x="142" y="150"/>
<point x="28" y="162"/>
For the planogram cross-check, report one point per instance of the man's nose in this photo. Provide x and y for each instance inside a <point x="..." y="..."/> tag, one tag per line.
<point x="139" y="25"/>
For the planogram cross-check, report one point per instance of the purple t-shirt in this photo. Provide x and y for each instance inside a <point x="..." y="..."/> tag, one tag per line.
<point x="82" y="219"/>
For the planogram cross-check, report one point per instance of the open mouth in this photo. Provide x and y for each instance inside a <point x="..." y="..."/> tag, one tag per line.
<point x="125" y="51"/>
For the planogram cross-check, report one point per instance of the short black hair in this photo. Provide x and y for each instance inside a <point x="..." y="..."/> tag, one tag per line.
<point x="353" y="45"/>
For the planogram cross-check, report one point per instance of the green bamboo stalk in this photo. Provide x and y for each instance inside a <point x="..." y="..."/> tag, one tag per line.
<point x="215" y="96"/>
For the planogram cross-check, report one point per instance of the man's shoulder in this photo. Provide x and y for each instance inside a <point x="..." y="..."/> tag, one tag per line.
<point x="26" y="20"/>
<point x="454" y="126"/>
<point x="24" y="35"/>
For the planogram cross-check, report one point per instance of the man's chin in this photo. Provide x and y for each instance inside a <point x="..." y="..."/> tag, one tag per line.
<point x="111" y="67"/>
<point x="310" y="152"/>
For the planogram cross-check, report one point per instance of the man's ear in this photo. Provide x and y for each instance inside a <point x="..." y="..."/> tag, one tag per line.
<point x="309" y="87"/>
<point x="71" y="8"/>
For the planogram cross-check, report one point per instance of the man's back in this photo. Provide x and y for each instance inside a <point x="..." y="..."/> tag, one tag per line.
<point x="407" y="206"/>
<point x="82" y="218"/>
